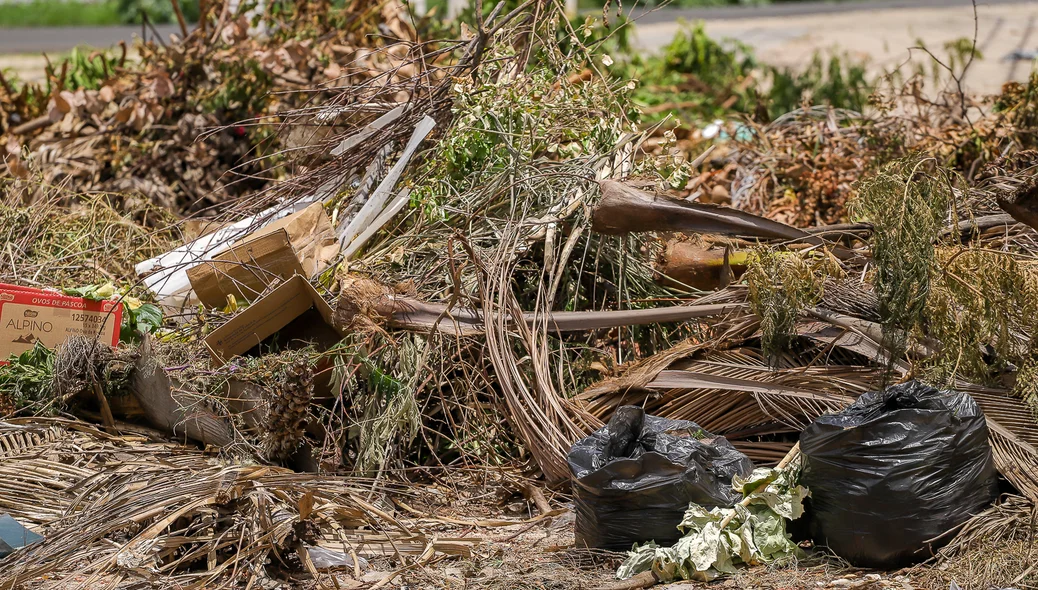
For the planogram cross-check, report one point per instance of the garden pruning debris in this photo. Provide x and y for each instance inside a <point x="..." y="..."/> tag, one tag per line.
<point x="373" y="275"/>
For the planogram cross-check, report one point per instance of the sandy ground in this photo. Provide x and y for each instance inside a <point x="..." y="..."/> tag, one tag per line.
<point x="883" y="37"/>
<point x="21" y="50"/>
<point x="31" y="68"/>
<point x="28" y="68"/>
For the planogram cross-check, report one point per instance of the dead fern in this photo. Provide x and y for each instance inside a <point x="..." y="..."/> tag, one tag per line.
<point x="908" y="203"/>
<point x="983" y="310"/>
<point x="781" y="286"/>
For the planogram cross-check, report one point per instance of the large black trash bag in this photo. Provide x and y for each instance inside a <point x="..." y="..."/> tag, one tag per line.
<point x="896" y="469"/>
<point x="633" y="479"/>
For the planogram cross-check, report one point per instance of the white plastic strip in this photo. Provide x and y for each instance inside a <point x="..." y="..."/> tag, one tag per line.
<point x="377" y="202"/>
<point x="394" y="207"/>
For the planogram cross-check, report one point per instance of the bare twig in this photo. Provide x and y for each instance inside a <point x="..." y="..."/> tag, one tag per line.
<point x="180" y="18"/>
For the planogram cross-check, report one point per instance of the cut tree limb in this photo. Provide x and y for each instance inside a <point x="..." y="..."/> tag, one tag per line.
<point x="981" y="224"/>
<point x="33" y="125"/>
<point x="687" y="264"/>
<point x="642" y="580"/>
<point x="370" y="299"/>
<point x="535" y="495"/>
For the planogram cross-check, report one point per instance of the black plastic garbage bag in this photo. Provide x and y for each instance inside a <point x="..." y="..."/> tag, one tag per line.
<point x="895" y="470"/>
<point x="633" y="479"/>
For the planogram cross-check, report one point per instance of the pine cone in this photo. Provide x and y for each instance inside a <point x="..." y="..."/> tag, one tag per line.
<point x="287" y="406"/>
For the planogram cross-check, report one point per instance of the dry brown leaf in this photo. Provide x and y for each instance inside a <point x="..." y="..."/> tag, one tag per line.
<point x="235" y="31"/>
<point x="57" y="107"/>
<point x="68" y="99"/>
<point x="124" y="114"/>
<point x="333" y="71"/>
<point x="162" y="86"/>
<point x="15" y="166"/>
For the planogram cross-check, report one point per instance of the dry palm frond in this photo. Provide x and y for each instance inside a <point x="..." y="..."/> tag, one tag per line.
<point x="17" y="440"/>
<point x="159" y="512"/>
<point x="1013" y="517"/>
<point x="543" y="418"/>
<point x="994" y="549"/>
<point x="850" y="297"/>
<point x="624" y="209"/>
<point x="731" y="390"/>
<point x="1013" y="436"/>
<point x="734" y="391"/>
<point x="994" y="564"/>
<point x="727" y="387"/>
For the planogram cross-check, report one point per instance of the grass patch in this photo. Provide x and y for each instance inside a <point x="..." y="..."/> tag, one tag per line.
<point x="594" y="5"/>
<point x="697" y="77"/>
<point x="72" y="13"/>
<point x="44" y="13"/>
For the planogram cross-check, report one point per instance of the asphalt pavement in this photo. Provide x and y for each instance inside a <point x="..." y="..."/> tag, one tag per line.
<point x="790" y="9"/>
<point x="54" y="39"/>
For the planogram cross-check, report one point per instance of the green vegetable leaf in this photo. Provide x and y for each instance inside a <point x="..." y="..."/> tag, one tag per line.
<point x="149" y="318"/>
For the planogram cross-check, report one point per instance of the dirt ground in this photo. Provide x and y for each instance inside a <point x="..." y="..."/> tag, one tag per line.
<point x="537" y="553"/>
<point x="883" y="37"/>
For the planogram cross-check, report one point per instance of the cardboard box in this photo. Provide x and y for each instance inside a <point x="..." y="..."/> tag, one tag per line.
<point x="246" y="270"/>
<point x="29" y="315"/>
<point x="294" y="310"/>
<point x="302" y="243"/>
<point x="312" y="237"/>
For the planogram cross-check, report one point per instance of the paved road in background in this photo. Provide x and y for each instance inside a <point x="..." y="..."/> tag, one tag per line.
<point x="55" y="39"/>
<point x="789" y="9"/>
<point x="880" y="33"/>
<point x="786" y="34"/>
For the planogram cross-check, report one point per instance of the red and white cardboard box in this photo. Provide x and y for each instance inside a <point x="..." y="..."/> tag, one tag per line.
<point x="29" y="315"/>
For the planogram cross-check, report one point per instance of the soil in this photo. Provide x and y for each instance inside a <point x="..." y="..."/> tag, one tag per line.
<point x="538" y="553"/>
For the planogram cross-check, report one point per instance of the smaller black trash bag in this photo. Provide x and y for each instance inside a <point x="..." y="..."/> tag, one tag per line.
<point x="633" y="479"/>
<point x="894" y="470"/>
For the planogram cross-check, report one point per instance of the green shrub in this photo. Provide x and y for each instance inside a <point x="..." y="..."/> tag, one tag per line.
<point x="158" y="11"/>
<point x="717" y="64"/>
<point x="835" y="82"/>
<point x="46" y="13"/>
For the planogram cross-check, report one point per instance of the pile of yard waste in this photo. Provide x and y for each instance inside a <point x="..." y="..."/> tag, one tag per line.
<point x="194" y="124"/>
<point x="340" y="297"/>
